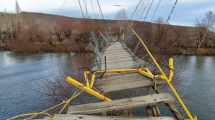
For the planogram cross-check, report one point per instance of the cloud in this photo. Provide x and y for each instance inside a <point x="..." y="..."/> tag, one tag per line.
<point x="54" y="5"/>
<point x="186" y="11"/>
<point x="203" y="10"/>
<point x="194" y="1"/>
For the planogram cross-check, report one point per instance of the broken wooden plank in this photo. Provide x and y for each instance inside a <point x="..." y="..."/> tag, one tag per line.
<point x="171" y="107"/>
<point x="121" y="104"/>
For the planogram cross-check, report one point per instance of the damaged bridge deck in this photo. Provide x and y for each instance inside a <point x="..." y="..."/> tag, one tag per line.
<point x="117" y="57"/>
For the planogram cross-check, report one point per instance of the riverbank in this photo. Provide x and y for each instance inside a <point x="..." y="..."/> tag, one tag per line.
<point x="192" y="51"/>
<point x="65" y="48"/>
<point x="39" y="48"/>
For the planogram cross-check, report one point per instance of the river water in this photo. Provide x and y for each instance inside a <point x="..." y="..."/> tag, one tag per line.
<point x="22" y="77"/>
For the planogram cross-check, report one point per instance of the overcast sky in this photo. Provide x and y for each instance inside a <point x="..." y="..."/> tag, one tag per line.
<point x="186" y="11"/>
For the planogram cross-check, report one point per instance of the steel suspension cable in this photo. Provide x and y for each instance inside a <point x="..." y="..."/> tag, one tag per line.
<point x="144" y="9"/>
<point x="149" y="9"/>
<point x="131" y="16"/>
<point x="155" y="10"/>
<point x="55" y="15"/>
<point x="83" y="14"/>
<point x="154" y="13"/>
<point x="103" y="18"/>
<point x="171" y="11"/>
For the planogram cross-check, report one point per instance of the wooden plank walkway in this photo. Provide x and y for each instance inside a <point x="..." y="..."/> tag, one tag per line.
<point x="118" y="58"/>
<point x="121" y="104"/>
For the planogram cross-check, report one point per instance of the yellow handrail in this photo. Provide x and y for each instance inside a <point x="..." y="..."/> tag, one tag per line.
<point x="68" y="101"/>
<point x="87" y="89"/>
<point x="45" y="111"/>
<point x="167" y="80"/>
<point x="27" y="114"/>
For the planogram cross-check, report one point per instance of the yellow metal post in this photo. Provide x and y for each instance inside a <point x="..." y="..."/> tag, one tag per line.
<point x="167" y="80"/>
<point x="87" y="89"/>
<point x="123" y="37"/>
<point x="86" y="79"/>
<point x="171" y="69"/>
<point x="92" y="80"/>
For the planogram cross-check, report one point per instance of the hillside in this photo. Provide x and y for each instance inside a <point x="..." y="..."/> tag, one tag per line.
<point x="180" y="37"/>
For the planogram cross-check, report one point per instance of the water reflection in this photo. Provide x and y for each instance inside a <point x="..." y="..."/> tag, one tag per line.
<point x="198" y="83"/>
<point x="21" y="76"/>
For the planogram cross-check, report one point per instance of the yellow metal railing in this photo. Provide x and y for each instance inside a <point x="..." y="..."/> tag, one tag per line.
<point x="89" y="84"/>
<point x="165" y="77"/>
<point x="45" y="112"/>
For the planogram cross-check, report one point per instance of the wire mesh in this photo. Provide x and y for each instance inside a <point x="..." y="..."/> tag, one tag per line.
<point x="98" y="44"/>
<point x="153" y="44"/>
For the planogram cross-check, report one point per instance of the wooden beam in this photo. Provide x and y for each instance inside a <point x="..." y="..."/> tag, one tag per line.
<point x="121" y="104"/>
<point x="171" y="107"/>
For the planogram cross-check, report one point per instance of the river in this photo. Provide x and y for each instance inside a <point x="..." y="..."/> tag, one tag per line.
<point x="22" y="77"/>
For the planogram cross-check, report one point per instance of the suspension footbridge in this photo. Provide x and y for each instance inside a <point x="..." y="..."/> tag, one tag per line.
<point x="126" y="75"/>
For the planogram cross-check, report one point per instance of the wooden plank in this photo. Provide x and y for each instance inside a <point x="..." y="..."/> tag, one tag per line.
<point x="114" y="49"/>
<point x="121" y="104"/>
<point x="118" y="66"/>
<point x="118" y="55"/>
<point x="115" y="76"/>
<point x="126" y="63"/>
<point x="118" y="60"/>
<point x="171" y="107"/>
<point x="120" y="80"/>
<point x="119" y="75"/>
<point x="129" y="85"/>
<point x="93" y="117"/>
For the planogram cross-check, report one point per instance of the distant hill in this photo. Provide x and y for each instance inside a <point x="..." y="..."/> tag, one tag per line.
<point x="187" y="36"/>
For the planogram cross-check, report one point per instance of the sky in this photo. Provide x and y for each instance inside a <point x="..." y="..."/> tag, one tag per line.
<point x="185" y="13"/>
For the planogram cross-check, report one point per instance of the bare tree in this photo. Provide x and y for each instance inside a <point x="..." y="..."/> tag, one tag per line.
<point x="34" y="32"/>
<point x="6" y="33"/>
<point x="50" y="36"/>
<point x="121" y="16"/>
<point x="161" y="30"/>
<point x="63" y="30"/>
<point x="209" y="23"/>
<point x="18" y="10"/>
<point x="59" y="33"/>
